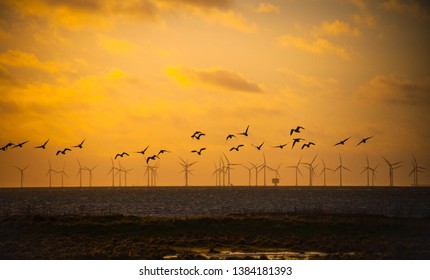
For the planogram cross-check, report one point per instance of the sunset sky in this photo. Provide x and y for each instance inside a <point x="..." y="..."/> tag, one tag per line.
<point x="127" y="74"/>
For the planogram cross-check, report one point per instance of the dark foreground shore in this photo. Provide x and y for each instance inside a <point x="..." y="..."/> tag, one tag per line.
<point x="233" y="237"/>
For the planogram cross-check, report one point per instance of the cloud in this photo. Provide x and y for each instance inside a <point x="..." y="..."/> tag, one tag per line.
<point x="20" y="59"/>
<point x="309" y="81"/>
<point x="116" y="46"/>
<point x="98" y="13"/>
<point x="266" y="8"/>
<point x="214" y="77"/>
<point x="361" y="4"/>
<point x="365" y="19"/>
<point x="336" y="28"/>
<point x="230" y="19"/>
<point x="412" y="8"/>
<point x="395" y="90"/>
<point x="316" y="45"/>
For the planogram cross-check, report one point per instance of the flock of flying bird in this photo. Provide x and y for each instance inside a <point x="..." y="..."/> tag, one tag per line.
<point x="197" y="135"/>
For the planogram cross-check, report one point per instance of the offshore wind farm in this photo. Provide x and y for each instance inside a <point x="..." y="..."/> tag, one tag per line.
<point x="313" y="110"/>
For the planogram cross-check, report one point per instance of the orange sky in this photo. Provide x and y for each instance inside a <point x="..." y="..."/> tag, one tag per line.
<point x="127" y="74"/>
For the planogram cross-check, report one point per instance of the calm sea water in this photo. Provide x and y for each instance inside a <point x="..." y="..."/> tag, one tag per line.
<point x="216" y="201"/>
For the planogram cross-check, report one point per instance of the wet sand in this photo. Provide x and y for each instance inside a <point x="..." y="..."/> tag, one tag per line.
<point x="250" y="236"/>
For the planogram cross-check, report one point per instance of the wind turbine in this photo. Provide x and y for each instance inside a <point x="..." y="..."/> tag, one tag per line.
<point x="391" y="168"/>
<point x="311" y="169"/>
<point x="415" y="170"/>
<point x="186" y="170"/>
<point x="154" y="174"/>
<point x="373" y="174"/>
<point x="257" y="169"/>
<point x="63" y="173"/>
<point x="217" y="173"/>
<point x="119" y="170"/>
<point x="148" y="171"/>
<point x="249" y="172"/>
<point x="90" y="170"/>
<point x="367" y="169"/>
<point x="297" y="169"/>
<point x="223" y="170"/>
<point x="340" y="168"/>
<point x="263" y="167"/>
<point x="324" y="171"/>
<point x="21" y="170"/>
<point x="50" y="170"/>
<point x="80" y="173"/>
<point x="228" y="168"/>
<point x="112" y="170"/>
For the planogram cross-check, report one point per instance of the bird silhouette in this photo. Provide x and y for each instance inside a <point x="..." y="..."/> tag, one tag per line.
<point x="308" y="145"/>
<point x="162" y="152"/>
<point x="245" y="132"/>
<point x="230" y="136"/>
<point x="143" y="151"/>
<point x="79" y="145"/>
<point x="296" y="140"/>
<point x="342" y="142"/>
<point x="199" y="135"/>
<point x="151" y="158"/>
<point x="19" y="145"/>
<point x="258" y="147"/>
<point x="4" y="148"/>
<point x="63" y="151"/>
<point x="199" y="152"/>
<point x="281" y="146"/>
<point x="297" y="130"/>
<point x="195" y="134"/>
<point x="42" y="146"/>
<point x="121" y="155"/>
<point x="364" y="140"/>
<point x="236" y="148"/>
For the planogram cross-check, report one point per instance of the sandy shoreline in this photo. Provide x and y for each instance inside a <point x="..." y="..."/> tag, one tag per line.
<point x="256" y="236"/>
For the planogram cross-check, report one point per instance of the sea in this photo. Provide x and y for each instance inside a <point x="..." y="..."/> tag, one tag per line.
<point x="216" y="201"/>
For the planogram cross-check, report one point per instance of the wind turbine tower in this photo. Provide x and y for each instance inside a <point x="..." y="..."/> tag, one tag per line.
<point x="340" y="168"/>
<point x="311" y="170"/>
<point x="323" y="171"/>
<point x="415" y="170"/>
<point x="297" y="169"/>
<point x="186" y="170"/>
<point x="391" y="168"/>
<point x="90" y="170"/>
<point x="50" y="170"/>
<point x="21" y="170"/>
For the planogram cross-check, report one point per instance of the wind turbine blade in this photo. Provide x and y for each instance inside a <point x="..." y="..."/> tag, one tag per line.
<point x="367" y="158"/>
<point x="314" y="159"/>
<point x="415" y="160"/>
<point x="298" y="170"/>
<point x="228" y="162"/>
<point x="191" y="164"/>
<point x="397" y="162"/>
<point x="183" y="161"/>
<point x="386" y="160"/>
<point x="346" y="168"/>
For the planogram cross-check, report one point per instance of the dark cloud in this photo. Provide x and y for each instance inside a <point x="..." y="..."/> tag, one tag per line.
<point x="228" y="80"/>
<point x="217" y="77"/>
<point x="394" y="90"/>
<point x="220" y="4"/>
